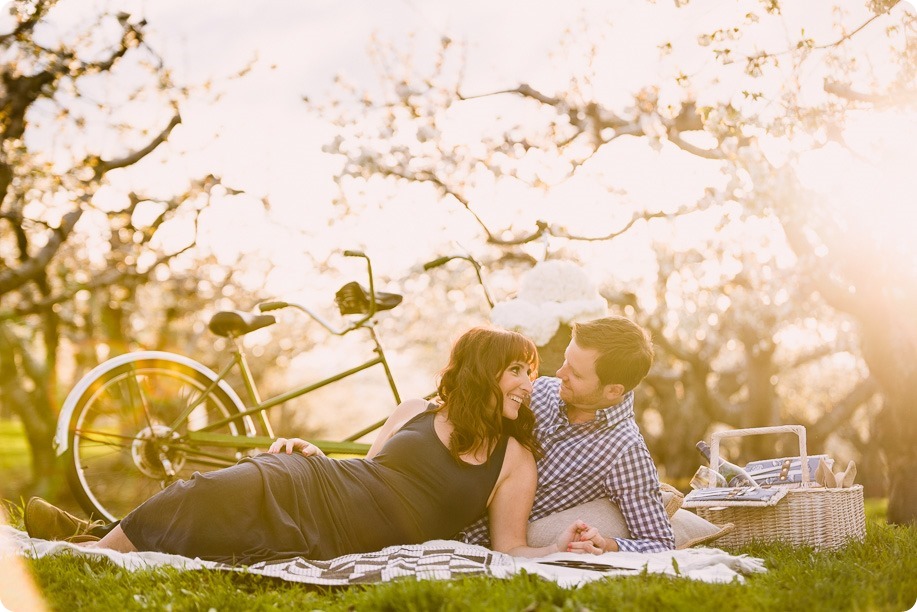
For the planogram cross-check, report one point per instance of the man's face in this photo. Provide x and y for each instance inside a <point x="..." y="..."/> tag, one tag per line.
<point x="580" y="385"/>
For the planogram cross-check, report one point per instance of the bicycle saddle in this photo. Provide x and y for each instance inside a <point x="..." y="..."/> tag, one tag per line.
<point x="352" y="298"/>
<point x="234" y="323"/>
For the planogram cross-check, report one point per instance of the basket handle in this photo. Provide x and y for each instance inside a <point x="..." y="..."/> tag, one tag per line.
<point x="799" y="430"/>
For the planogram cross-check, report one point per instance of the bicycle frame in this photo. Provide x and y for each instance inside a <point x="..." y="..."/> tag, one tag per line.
<point x="259" y="407"/>
<point x="147" y="418"/>
<point x="349" y="444"/>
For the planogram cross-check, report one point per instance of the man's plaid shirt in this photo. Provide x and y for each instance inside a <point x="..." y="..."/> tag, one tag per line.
<point x="606" y="457"/>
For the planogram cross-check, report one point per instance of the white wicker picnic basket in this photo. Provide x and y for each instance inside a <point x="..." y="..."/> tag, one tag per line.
<point x="808" y="515"/>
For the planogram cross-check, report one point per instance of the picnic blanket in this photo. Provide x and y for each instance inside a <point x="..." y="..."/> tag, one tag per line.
<point x="438" y="559"/>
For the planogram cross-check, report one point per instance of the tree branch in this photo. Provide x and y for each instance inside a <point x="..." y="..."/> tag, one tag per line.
<point x="844" y="38"/>
<point x="892" y="98"/>
<point x="675" y="138"/>
<point x="644" y="216"/>
<point x="103" y="166"/>
<point x="131" y="37"/>
<point x="19" y="95"/>
<point x="814" y="355"/>
<point x="11" y="279"/>
<point x="108" y="278"/>
<point x="845" y="408"/>
<point x="37" y="11"/>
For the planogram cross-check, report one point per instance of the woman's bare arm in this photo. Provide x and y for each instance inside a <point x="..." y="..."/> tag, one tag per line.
<point x="511" y="505"/>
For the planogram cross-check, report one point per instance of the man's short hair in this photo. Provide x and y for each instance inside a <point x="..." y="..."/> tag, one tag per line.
<point x="625" y="349"/>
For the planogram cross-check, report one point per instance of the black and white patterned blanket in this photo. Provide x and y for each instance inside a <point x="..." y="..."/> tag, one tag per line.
<point x="435" y="560"/>
<point x="438" y="560"/>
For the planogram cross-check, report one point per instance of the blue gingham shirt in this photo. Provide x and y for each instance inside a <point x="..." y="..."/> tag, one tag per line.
<point x="605" y="457"/>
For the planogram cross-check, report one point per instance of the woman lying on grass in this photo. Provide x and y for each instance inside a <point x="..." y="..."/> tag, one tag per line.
<point x="435" y="468"/>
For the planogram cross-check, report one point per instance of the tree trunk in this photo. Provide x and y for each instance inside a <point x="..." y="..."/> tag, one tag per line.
<point x="551" y="355"/>
<point x="38" y="424"/>
<point x="685" y="419"/>
<point x="46" y="479"/>
<point x="762" y="408"/>
<point x="898" y="437"/>
<point x="890" y="351"/>
<point x="28" y="391"/>
<point x="902" y="497"/>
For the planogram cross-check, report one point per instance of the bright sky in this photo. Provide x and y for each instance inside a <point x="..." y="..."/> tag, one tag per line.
<point x="261" y="138"/>
<point x="270" y="145"/>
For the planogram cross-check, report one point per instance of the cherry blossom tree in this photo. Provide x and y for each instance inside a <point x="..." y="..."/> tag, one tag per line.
<point x="79" y="246"/>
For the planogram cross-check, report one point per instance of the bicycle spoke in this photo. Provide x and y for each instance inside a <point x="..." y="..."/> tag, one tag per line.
<point x="87" y="436"/>
<point x="144" y="404"/>
<point x="192" y="404"/>
<point x="115" y="397"/>
<point x="124" y="446"/>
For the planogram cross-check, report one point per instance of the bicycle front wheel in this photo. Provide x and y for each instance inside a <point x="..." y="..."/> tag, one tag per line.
<point x="129" y="433"/>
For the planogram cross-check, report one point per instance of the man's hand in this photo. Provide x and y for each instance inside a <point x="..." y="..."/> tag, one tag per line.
<point x="589" y="540"/>
<point x="288" y="445"/>
<point x="581" y="538"/>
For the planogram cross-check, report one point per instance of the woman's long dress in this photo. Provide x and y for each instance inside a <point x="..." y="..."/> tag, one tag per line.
<point x="275" y="506"/>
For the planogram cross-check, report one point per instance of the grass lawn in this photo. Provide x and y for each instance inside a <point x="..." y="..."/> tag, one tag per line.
<point x="878" y="574"/>
<point x="14" y="457"/>
<point x="14" y="450"/>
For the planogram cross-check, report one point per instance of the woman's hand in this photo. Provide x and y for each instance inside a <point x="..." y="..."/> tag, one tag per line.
<point x="581" y="538"/>
<point x="288" y="445"/>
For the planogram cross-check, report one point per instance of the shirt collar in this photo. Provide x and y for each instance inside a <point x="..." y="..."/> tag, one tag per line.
<point x="612" y="415"/>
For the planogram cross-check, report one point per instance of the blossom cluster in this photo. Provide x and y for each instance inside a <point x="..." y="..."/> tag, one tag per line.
<point x="551" y="293"/>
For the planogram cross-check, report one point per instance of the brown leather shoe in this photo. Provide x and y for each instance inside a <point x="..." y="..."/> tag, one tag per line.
<point x="82" y="539"/>
<point x="47" y="522"/>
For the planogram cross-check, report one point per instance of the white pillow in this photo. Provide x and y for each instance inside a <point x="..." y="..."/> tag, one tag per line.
<point x="689" y="529"/>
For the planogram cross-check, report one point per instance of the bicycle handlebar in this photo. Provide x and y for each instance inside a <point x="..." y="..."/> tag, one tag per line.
<point x="269" y="306"/>
<point x="436" y="263"/>
<point x="439" y="261"/>
<point x="477" y="270"/>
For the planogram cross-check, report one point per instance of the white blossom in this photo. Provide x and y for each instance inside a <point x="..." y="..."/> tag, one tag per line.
<point x="556" y="281"/>
<point x="334" y="147"/>
<point x="426" y="132"/>
<point x="551" y="293"/>
<point x="652" y="125"/>
<point x="528" y="319"/>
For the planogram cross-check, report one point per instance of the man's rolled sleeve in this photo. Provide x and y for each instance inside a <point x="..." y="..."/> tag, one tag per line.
<point x="633" y="485"/>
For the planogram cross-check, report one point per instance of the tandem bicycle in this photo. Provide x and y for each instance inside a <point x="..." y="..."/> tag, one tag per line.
<point x="140" y="421"/>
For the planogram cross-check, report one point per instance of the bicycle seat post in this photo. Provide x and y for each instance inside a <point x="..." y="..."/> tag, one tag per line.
<point x="238" y="356"/>
<point x="371" y="328"/>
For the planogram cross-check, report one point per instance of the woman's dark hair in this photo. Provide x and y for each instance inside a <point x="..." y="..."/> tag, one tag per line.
<point x="469" y="390"/>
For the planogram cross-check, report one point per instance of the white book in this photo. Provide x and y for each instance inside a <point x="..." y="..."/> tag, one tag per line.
<point x="734" y="496"/>
<point x="786" y="470"/>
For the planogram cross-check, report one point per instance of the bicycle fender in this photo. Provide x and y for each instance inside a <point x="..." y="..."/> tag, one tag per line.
<point x="61" y="442"/>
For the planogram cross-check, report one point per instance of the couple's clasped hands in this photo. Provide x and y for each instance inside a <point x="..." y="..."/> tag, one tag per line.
<point x="581" y="538"/>
<point x="291" y="445"/>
